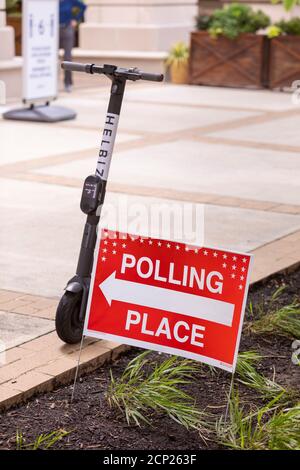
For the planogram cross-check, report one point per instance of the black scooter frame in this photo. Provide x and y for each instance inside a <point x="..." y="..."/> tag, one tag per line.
<point x="94" y="188"/>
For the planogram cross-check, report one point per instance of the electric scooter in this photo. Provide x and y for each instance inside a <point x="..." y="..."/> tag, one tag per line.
<point x="71" y="309"/>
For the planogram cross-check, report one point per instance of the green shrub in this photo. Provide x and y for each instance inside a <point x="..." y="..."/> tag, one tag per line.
<point x="291" y="26"/>
<point x="232" y="20"/>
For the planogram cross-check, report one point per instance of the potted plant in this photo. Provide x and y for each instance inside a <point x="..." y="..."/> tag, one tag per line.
<point x="14" y="19"/>
<point x="178" y="61"/>
<point x="284" y="53"/>
<point x="226" y="51"/>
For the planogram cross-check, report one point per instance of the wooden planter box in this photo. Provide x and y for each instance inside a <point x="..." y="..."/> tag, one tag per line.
<point x="16" y="23"/>
<point x="226" y="62"/>
<point x="284" y="61"/>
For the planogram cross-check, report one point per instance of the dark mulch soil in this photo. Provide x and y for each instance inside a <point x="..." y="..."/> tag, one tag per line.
<point x="95" y="426"/>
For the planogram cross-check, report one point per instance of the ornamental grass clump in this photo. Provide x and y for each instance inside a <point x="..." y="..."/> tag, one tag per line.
<point x="268" y="428"/>
<point x="250" y="377"/>
<point x="41" y="442"/>
<point x="285" y="321"/>
<point x="233" y="20"/>
<point x="147" y="386"/>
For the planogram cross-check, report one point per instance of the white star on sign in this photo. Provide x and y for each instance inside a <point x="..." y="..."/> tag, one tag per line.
<point x="196" y="251"/>
<point x="168" y="245"/>
<point x="114" y="244"/>
<point x="244" y="260"/>
<point x="141" y="240"/>
<point x="103" y="258"/>
<point x="225" y="256"/>
<point x="186" y="248"/>
<point x="124" y="245"/>
<point x="105" y="242"/>
<point x="150" y="242"/>
<point x="242" y="278"/>
<point x="234" y="258"/>
<point x="114" y="252"/>
<point x="159" y="243"/>
<point x="243" y="269"/>
<point x="233" y="276"/>
<point x="205" y="253"/>
<point x="104" y="250"/>
<point x="215" y="254"/>
<point x="240" y="287"/>
<point x="177" y="247"/>
<point x="224" y="265"/>
<point x="233" y="267"/>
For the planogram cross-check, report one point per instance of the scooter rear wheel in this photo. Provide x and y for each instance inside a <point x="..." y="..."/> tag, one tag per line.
<point x="67" y="322"/>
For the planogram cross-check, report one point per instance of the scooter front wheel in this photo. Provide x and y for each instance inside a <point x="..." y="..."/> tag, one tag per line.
<point x="67" y="321"/>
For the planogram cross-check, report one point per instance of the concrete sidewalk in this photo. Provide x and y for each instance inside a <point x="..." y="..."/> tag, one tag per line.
<point x="236" y="151"/>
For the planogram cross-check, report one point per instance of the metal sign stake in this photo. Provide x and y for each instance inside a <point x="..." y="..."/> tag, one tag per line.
<point x="77" y="369"/>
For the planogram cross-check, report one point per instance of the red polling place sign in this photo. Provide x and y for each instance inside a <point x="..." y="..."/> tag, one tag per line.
<point x="170" y="297"/>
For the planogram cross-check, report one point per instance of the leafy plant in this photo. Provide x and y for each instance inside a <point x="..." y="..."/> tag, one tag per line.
<point x="43" y="441"/>
<point x="268" y="428"/>
<point x="233" y="20"/>
<point x="203" y="22"/>
<point x="288" y="5"/>
<point x="274" y="31"/>
<point x="179" y="54"/>
<point x="140" y="391"/>
<point x="249" y="376"/>
<point x="291" y="26"/>
<point x="284" y="322"/>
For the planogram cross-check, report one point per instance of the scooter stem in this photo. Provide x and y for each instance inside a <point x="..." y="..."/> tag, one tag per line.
<point x="85" y="261"/>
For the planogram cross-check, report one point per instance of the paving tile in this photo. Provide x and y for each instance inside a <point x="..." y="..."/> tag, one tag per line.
<point x="14" y="304"/>
<point x="24" y="310"/>
<point x="94" y="353"/>
<point x="6" y="296"/>
<point x="58" y="367"/>
<point x="287" y="208"/>
<point x="201" y="96"/>
<point x="16" y="329"/>
<point x="48" y="312"/>
<point x="59" y="140"/>
<point x="14" y="354"/>
<point x="223" y="170"/>
<point x="9" y="396"/>
<point x="48" y="341"/>
<point x="32" y="381"/>
<point x="28" y="363"/>
<point x="264" y="132"/>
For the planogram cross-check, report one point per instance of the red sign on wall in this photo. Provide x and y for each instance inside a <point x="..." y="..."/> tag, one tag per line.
<point x="170" y="297"/>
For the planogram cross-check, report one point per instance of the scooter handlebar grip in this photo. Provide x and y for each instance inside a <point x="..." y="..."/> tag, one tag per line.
<point x="152" y="77"/>
<point x="76" y="67"/>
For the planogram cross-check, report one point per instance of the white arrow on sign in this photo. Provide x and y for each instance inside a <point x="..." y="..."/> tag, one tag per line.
<point x="166" y="299"/>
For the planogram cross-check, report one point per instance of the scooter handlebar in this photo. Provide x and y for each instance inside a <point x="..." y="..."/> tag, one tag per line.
<point x="75" y="67"/>
<point x="130" y="73"/>
<point x="152" y="77"/>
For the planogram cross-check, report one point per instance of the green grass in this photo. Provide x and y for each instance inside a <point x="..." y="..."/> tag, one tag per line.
<point x="284" y="321"/>
<point x="271" y="319"/>
<point x="146" y="387"/>
<point x="42" y="441"/>
<point x="267" y="428"/>
<point x="248" y="376"/>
